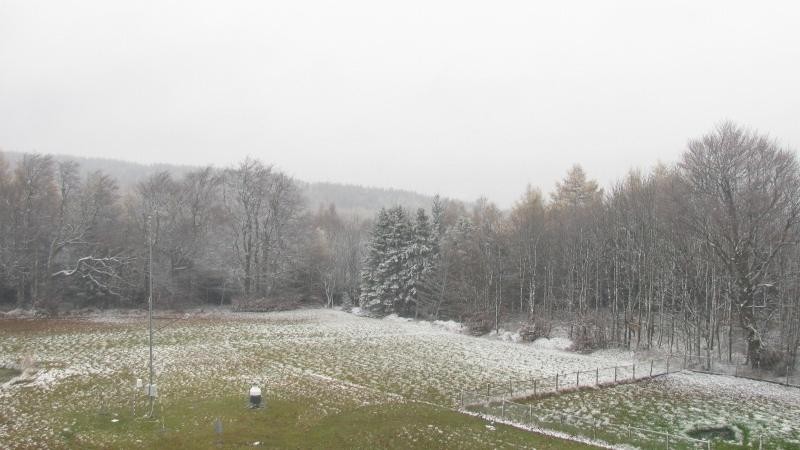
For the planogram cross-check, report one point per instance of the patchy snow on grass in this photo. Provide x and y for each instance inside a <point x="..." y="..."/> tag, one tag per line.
<point x="686" y="401"/>
<point x="332" y="356"/>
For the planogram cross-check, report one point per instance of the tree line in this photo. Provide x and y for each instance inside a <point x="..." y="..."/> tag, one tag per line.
<point x="68" y="241"/>
<point x="693" y="257"/>
<point x="697" y="256"/>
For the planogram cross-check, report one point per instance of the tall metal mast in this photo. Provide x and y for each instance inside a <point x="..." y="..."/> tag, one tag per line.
<point x="150" y="306"/>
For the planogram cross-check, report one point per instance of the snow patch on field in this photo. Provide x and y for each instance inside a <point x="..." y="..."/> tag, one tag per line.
<point x="556" y="343"/>
<point x="321" y="353"/>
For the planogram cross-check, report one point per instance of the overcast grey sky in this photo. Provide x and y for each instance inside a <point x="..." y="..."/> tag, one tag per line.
<point x="463" y="98"/>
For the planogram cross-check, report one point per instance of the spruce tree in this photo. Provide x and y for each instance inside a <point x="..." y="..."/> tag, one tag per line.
<point x="376" y="250"/>
<point x="387" y="283"/>
<point x="419" y="259"/>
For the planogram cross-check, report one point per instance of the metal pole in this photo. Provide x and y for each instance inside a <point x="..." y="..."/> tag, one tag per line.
<point x="150" y="306"/>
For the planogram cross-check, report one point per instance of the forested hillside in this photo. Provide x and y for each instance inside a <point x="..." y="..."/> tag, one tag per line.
<point x="694" y="256"/>
<point x="350" y="200"/>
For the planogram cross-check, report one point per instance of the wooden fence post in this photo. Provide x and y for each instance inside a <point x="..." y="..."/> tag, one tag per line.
<point x="597" y="376"/>
<point x="556" y="383"/>
<point x="530" y="412"/>
<point x="651" y="368"/>
<point x="488" y="389"/>
<point x="534" y="387"/>
<point x="615" y="374"/>
<point x="634" y="372"/>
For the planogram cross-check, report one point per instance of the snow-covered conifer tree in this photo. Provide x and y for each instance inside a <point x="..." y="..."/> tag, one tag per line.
<point x="386" y="282"/>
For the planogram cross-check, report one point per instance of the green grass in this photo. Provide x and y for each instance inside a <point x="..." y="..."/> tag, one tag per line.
<point x="295" y="423"/>
<point x="323" y="389"/>
<point x="7" y="374"/>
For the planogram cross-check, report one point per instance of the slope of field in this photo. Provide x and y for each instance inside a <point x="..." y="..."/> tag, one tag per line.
<point x="682" y="403"/>
<point x="330" y="379"/>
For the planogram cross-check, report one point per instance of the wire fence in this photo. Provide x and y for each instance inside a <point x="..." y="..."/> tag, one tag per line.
<point x="497" y="400"/>
<point x="787" y="375"/>
<point x="529" y="415"/>
<point x="567" y="382"/>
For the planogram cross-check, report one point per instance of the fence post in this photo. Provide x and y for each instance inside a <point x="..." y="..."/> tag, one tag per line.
<point x="615" y="374"/>
<point x="597" y="376"/>
<point x="634" y="372"/>
<point x="488" y="389"/>
<point x="530" y="412"/>
<point x="578" y="379"/>
<point x="503" y="410"/>
<point x="556" y="383"/>
<point x="651" y="368"/>
<point x="534" y="387"/>
<point x="510" y="388"/>
<point x="787" y="374"/>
